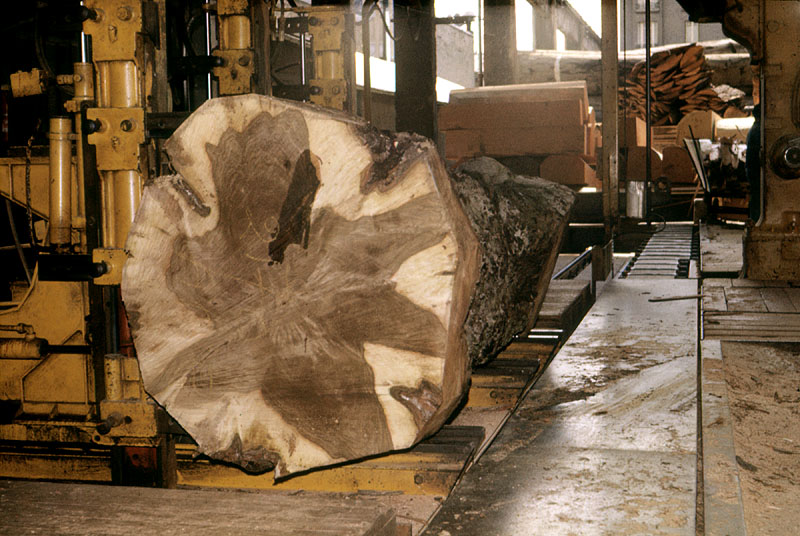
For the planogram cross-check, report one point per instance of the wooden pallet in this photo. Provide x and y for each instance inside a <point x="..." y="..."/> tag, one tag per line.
<point x="565" y="304"/>
<point x="503" y="381"/>
<point x="750" y="310"/>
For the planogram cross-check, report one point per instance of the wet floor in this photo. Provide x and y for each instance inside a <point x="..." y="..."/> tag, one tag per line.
<point x="606" y="441"/>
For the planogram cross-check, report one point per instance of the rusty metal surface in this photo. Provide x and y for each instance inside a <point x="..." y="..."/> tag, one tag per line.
<point x="431" y="468"/>
<point x="606" y="441"/>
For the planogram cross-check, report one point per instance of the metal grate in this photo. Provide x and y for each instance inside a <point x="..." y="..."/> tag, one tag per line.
<point x="667" y="253"/>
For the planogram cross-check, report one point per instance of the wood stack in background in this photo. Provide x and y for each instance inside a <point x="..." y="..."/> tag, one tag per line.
<point x="532" y="121"/>
<point x="680" y="83"/>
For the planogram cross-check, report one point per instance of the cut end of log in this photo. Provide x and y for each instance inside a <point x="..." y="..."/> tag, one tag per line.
<point x="298" y="290"/>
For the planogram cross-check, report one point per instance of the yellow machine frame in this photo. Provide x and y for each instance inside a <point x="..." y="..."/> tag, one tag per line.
<point x="83" y="413"/>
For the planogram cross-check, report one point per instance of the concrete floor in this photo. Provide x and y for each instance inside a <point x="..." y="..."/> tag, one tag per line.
<point x="606" y="441"/>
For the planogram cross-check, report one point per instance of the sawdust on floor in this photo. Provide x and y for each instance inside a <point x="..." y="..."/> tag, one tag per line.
<point x="763" y="382"/>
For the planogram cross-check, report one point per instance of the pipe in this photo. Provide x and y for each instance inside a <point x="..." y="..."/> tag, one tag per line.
<point x="60" y="181"/>
<point x="22" y="348"/>
<point x="83" y="84"/>
<point x="366" y="10"/>
<point x="126" y="191"/>
<point x="648" y="119"/>
<point x="208" y="45"/>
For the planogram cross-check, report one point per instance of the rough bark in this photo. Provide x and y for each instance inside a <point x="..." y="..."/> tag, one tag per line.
<point x="520" y="222"/>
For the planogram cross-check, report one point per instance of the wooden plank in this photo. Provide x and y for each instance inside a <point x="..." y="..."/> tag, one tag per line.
<point x="777" y="301"/>
<point x="533" y="141"/>
<point x="744" y="320"/>
<point x="48" y="508"/>
<point x="745" y="300"/>
<point x="525" y="92"/>
<point x="701" y="123"/>
<point x="714" y="298"/>
<point x="633" y="132"/>
<point x="637" y="165"/>
<point x="759" y="283"/>
<point x="677" y="165"/>
<point x="794" y="296"/>
<point x="481" y="113"/>
<point x="567" y="169"/>
<point x="462" y="144"/>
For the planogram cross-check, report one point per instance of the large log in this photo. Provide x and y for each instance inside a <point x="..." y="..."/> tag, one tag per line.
<point x="298" y="290"/>
<point x="520" y="222"/>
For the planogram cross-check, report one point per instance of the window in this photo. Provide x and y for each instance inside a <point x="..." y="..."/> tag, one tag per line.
<point x="642" y="37"/>
<point x="692" y="31"/>
<point x="561" y="40"/>
<point x="639" y="6"/>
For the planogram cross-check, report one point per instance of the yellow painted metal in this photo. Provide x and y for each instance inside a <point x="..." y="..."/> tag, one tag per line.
<point x="494" y="396"/>
<point x="60" y="181"/>
<point x="50" y="431"/>
<point x="235" y="75"/>
<point x="83" y="85"/>
<point x="12" y="182"/>
<point x="11" y="373"/>
<point x="121" y="132"/>
<point x="123" y="379"/>
<point x="126" y="403"/>
<point x="83" y="81"/>
<point x="120" y="89"/>
<point x="235" y="33"/>
<point x="417" y="474"/>
<point x="772" y="246"/>
<point x="62" y="466"/>
<point x="24" y="84"/>
<point x="123" y="191"/>
<point x="119" y="81"/>
<point x="58" y="385"/>
<point x="26" y="348"/>
<point x="114" y="259"/>
<point x="114" y="31"/>
<point x="332" y="45"/>
<point x="137" y="419"/>
<point x="56" y="310"/>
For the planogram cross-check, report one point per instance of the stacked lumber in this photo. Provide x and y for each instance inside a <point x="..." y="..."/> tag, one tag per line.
<point x="636" y="164"/>
<point x="680" y="83"/>
<point x="676" y="165"/>
<point x="524" y="120"/>
<point x="568" y="169"/>
<point x="663" y="136"/>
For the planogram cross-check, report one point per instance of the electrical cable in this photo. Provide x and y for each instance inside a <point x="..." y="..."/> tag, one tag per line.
<point x="383" y="19"/>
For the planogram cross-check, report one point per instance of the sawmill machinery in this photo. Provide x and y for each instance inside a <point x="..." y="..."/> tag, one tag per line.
<point x="93" y="90"/>
<point x="768" y="28"/>
<point x="90" y="91"/>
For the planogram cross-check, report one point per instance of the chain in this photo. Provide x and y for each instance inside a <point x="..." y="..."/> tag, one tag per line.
<point x="28" y="149"/>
